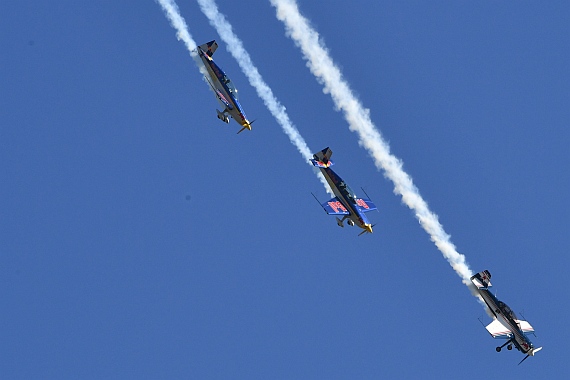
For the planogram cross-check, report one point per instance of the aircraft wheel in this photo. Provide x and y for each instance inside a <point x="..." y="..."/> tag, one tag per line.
<point x="498" y="349"/>
<point x="510" y="347"/>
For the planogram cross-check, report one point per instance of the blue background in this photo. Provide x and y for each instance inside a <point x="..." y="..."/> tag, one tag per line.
<point x="140" y="237"/>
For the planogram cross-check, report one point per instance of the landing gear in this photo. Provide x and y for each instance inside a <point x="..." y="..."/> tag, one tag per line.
<point x="223" y="117"/>
<point x="509" y="347"/>
<point x="340" y="221"/>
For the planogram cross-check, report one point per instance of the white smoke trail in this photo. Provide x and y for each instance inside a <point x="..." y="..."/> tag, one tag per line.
<point x="237" y="50"/>
<point x="173" y="14"/>
<point x="358" y="117"/>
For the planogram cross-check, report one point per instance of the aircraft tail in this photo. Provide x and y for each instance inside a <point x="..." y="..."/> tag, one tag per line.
<point x="482" y="279"/>
<point x="209" y="47"/>
<point x="322" y="158"/>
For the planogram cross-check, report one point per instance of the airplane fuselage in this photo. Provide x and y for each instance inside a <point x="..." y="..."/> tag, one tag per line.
<point x="347" y="198"/>
<point x="505" y="316"/>
<point x="225" y="92"/>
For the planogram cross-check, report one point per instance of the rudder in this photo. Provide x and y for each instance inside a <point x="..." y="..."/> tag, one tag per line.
<point x="322" y="159"/>
<point x="209" y="47"/>
<point x="482" y="279"/>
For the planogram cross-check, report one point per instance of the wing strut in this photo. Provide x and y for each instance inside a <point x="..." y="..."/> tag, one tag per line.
<point x="368" y="196"/>
<point x="318" y="202"/>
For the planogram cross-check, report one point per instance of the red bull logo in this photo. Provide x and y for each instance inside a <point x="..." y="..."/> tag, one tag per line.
<point x="336" y="206"/>
<point x="361" y="203"/>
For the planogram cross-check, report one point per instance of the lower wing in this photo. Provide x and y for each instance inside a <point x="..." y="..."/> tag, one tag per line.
<point x="335" y="207"/>
<point x="497" y="330"/>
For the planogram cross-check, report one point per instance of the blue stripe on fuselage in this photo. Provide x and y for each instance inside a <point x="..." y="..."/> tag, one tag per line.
<point x="219" y="73"/>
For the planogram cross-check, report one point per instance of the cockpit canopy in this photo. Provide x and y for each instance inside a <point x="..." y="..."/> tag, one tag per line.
<point x="342" y="186"/>
<point x="231" y="86"/>
<point x="507" y="310"/>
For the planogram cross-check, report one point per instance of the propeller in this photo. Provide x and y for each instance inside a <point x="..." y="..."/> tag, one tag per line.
<point x="531" y="353"/>
<point x="247" y="126"/>
<point x="526" y="357"/>
<point x="367" y="230"/>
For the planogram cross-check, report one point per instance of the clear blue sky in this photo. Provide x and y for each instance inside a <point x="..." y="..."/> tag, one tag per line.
<point x="140" y="237"/>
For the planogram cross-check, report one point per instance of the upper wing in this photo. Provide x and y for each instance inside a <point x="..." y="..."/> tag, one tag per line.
<point x="335" y="207"/>
<point x="365" y="205"/>
<point x="525" y="327"/>
<point x="497" y="330"/>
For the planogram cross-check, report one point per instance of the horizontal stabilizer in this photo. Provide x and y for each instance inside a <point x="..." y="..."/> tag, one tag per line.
<point x="320" y="164"/>
<point x="209" y="48"/>
<point x="365" y="205"/>
<point x="322" y="158"/>
<point x="497" y="330"/>
<point x="335" y="207"/>
<point x="482" y="279"/>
